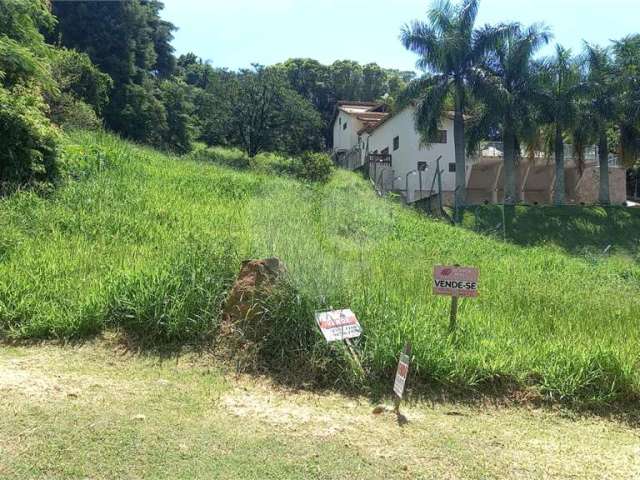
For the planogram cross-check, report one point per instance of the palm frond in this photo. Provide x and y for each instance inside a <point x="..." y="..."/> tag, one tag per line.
<point x="422" y="39"/>
<point x="441" y="16"/>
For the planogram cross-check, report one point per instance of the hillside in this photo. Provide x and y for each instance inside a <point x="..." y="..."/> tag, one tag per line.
<point x="148" y="244"/>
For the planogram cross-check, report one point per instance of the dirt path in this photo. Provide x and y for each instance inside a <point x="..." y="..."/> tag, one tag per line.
<point x="94" y="412"/>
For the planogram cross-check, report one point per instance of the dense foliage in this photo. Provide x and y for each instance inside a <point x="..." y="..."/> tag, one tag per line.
<point x="27" y="138"/>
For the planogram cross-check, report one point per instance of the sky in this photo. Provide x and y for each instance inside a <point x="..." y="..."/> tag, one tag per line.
<point x="237" y="33"/>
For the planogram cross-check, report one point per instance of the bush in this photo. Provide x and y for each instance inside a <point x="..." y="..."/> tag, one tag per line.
<point x="314" y="167"/>
<point x="27" y="138"/>
<point x="311" y="167"/>
<point x="71" y="113"/>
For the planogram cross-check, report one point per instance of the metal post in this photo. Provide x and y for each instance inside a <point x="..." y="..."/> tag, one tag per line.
<point x="406" y="351"/>
<point x="439" y="183"/>
<point x="453" y="316"/>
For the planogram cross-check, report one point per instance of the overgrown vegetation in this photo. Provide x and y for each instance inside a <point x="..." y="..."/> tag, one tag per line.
<point x="149" y="244"/>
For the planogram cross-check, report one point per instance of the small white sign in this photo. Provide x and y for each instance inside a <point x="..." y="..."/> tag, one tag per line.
<point x="338" y="325"/>
<point x="401" y="375"/>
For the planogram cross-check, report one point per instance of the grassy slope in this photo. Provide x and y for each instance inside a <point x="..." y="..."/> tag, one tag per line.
<point x="90" y="412"/>
<point x="151" y="244"/>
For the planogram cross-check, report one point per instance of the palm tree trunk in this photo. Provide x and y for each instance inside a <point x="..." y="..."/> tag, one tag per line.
<point x="558" y="195"/>
<point x="603" y="157"/>
<point x="509" y="143"/>
<point x="458" y="139"/>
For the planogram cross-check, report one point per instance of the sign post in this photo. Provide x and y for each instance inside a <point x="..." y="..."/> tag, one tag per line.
<point x="401" y="375"/>
<point x="455" y="282"/>
<point x="340" y="325"/>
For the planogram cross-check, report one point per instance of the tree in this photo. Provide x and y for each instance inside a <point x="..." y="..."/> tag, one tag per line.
<point x="562" y="87"/>
<point x="266" y="114"/>
<point x="627" y="72"/>
<point x="28" y="140"/>
<point x="597" y="111"/>
<point x="450" y="49"/>
<point x="82" y="89"/>
<point x="177" y="99"/>
<point x="131" y="43"/>
<point x="508" y="89"/>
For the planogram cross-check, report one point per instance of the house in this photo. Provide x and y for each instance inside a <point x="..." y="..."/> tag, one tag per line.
<point x="365" y="135"/>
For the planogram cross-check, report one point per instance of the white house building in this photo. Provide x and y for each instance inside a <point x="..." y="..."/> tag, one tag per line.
<point x="366" y="136"/>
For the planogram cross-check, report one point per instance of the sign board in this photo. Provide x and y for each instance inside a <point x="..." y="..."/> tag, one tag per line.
<point x="338" y="325"/>
<point x="401" y="375"/>
<point x="455" y="281"/>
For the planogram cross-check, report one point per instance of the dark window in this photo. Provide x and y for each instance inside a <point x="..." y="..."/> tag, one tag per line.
<point x="385" y="151"/>
<point x="340" y="121"/>
<point x="396" y="143"/>
<point x="344" y="125"/>
<point x="441" y="137"/>
<point x="452" y="167"/>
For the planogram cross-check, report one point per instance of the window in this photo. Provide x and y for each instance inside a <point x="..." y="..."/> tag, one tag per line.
<point x="396" y="143"/>
<point x="452" y="167"/>
<point x="385" y="151"/>
<point x="441" y="137"/>
<point x="344" y="125"/>
<point x="340" y="121"/>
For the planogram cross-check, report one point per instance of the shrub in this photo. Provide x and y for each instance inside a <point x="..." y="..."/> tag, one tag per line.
<point x="314" y="167"/>
<point x="71" y="113"/>
<point x="27" y="138"/>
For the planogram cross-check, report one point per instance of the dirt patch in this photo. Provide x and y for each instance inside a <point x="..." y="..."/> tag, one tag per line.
<point x="19" y="377"/>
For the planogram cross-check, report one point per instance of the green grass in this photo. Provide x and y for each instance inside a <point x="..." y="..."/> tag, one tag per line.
<point x="149" y="244"/>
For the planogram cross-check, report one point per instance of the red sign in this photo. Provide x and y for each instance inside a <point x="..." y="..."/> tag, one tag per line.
<point x="401" y="375"/>
<point x="455" y="281"/>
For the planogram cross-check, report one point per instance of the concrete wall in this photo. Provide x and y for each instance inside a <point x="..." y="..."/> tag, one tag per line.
<point x="588" y="187"/>
<point x="410" y="151"/>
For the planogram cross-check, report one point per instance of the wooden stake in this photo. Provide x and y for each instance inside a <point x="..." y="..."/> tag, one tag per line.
<point x="453" y="318"/>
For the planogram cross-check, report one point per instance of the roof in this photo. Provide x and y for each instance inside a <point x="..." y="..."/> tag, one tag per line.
<point x="371" y="127"/>
<point x="372" y="119"/>
<point x="356" y="108"/>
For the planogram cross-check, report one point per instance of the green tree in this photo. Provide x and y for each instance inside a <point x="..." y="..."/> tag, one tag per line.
<point x="177" y="98"/>
<point x="267" y="114"/>
<point x="627" y="72"/>
<point x="508" y="89"/>
<point x="131" y="43"/>
<point x="450" y="50"/>
<point x="28" y="140"/>
<point x="597" y="111"/>
<point x="562" y="88"/>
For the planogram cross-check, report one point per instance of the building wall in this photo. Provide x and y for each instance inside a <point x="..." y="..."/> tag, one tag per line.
<point x="410" y="151"/>
<point x="345" y="139"/>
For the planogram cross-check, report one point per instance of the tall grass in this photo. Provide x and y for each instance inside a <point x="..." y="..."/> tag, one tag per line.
<point x="151" y="243"/>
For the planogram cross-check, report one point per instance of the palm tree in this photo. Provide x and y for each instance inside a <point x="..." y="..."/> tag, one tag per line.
<point x="597" y="112"/>
<point x="508" y="89"/>
<point x="627" y="68"/>
<point x="450" y="49"/>
<point x="562" y="88"/>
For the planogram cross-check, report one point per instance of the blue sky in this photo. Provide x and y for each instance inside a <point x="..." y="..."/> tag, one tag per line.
<point x="236" y="33"/>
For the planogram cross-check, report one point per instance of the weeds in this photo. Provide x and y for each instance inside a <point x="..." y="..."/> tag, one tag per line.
<point x="149" y="244"/>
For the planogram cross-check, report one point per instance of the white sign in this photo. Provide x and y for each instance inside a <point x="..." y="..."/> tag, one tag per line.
<point x="455" y="281"/>
<point x="401" y="375"/>
<point x="338" y="325"/>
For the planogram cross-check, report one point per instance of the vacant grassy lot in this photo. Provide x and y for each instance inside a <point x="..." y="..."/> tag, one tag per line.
<point x="95" y="412"/>
<point x="149" y="244"/>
